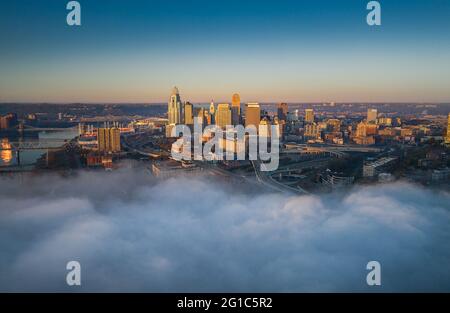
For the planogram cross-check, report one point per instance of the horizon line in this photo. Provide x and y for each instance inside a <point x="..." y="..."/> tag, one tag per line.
<point x="217" y="102"/>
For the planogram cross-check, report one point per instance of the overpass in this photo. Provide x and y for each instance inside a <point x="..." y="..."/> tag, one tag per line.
<point x="271" y="183"/>
<point x="315" y="151"/>
<point x="334" y="150"/>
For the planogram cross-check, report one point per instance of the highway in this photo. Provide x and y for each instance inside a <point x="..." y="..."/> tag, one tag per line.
<point x="269" y="181"/>
<point x="262" y="177"/>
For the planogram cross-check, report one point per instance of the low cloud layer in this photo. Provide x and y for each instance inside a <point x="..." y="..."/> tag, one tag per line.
<point x="131" y="232"/>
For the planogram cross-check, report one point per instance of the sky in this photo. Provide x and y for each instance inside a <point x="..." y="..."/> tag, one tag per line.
<point x="268" y="51"/>
<point x="131" y="232"/>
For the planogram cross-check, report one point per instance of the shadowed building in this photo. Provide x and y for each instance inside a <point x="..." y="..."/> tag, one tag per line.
<point x="282" y="111"/>
<point x="236" y="109"/>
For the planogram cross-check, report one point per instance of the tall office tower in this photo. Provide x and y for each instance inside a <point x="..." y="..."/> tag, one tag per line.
<point x="206" y="117"/>
<point x="309" y="116"/>
<point x="212" y="112"/>
<point x="282" y="111"/>
<point x="200" y="114"/>
<point x="312" y="131"/>
<point x="372" y="115"/>
<point x="175" y="108"/>
<point x="108" y="139"/>
<point x="264" y="127"/>
<point x="447" y="138"/>
<point x="212" y="108"/>
<point x="188" y="113"/>
<point x="252" y="114"/>
<point x="280" y="127"/>
<point x="235" y="116"/>
<point x="223" y="115"/>
<point x="236" y="109"/>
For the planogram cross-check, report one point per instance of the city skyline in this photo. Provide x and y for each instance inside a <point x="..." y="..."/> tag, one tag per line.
<point x="293" y="51"/>
<point x="241" y="147"/>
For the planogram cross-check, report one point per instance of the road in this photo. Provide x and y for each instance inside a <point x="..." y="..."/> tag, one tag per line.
<point x="266" y="178"/>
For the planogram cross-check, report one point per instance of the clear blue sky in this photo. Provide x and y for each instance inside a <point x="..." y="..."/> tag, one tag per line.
<point x="306" y="51"/>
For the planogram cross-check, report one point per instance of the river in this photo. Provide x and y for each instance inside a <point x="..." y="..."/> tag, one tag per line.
<point x="8" y="156"/>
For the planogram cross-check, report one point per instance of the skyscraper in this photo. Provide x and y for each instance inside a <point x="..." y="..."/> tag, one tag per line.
<point x="206" y="117"/>
<point x="223" y="115"/>
<point x="447" y="138"/>
<point x="312" y="131"/>
<point x="108" y="139"/>
<point x="236" y="109"/>
<point x="282" y="111"/>
<point x="309" y="116"/>
<point x="252" y="115"/>
<point x="188" y="113"/>
<point x="264" y="127"/>
<point x="175" y="109"/>
<point x="372" y="115"/>
<point x="200" y="114"/>
<point x="212" y="112"/>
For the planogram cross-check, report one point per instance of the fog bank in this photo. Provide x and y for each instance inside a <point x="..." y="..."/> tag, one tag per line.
<point x="131" y="232"/>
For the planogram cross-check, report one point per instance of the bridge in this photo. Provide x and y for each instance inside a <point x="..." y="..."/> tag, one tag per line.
<point x="266" y="179"/>
<point x="315" y="151"/>
<point x="33" y="145"/>
<point x="339" y="151"/>
<point x="32" y="128"/>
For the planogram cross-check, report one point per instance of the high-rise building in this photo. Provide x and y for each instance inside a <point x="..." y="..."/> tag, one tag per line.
<point x="252" y="114"/>
<point x="236" y="109"/>
<point x="223" y="115"/>
<point x="312" y="131"/>
<point x="264" y="127"/>
<point x="447" y="138"/>
<point x="235" y="116"/>
<point x="279" y="126"/>
<point x="365" y="133"/>
<point x="200" y="114"/>
<point x="282" y="111"/>
<point x="212" y="108"/>
<point x="212" y="112"/>
<point x="333" y="125"/>
<point x="188" y="113"/>
<point x="364" y="129"/>
<point x="206" y="117"/>
<point x="372" y="115"/>
<point x="175" y="108"/>
<point x="309" y="116"/>
<point x="108" y="139"/>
